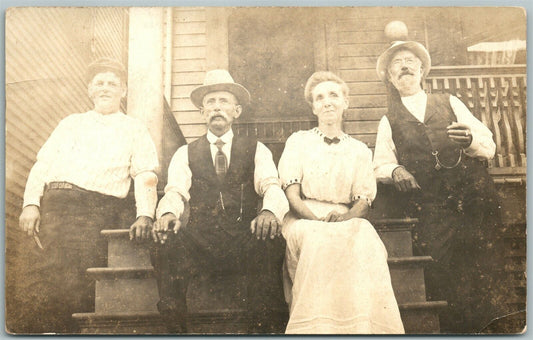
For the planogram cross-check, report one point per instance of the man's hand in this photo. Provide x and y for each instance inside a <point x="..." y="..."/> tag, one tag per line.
<point x="163" y="225"/>
<point x="460" y="134"/>
<point x="30" y="219"/>
<point x="141" y="228"/>
<point x="403" y="180"/>
<point x="264" y="223"/>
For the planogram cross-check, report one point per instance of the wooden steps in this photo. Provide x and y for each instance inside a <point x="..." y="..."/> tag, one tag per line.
<point x="126" y="292"/>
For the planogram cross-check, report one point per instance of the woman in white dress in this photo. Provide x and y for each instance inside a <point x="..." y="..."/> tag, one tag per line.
<point x="336" y="278"/>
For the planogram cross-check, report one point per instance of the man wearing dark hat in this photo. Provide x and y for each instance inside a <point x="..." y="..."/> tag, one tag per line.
<point x="222" y="177"/>
<point x="432" y="149"/>
<point x="75" y="189"/>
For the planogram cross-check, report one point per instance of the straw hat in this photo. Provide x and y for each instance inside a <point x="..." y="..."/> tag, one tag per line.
<point x="219" y="80"/>
<point x="418" y="49"/>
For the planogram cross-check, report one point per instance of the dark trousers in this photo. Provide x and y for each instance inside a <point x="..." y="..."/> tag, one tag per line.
<point x="52" y="284"/>
<point x="468" y="268"/>
<point x="214" y="250"/>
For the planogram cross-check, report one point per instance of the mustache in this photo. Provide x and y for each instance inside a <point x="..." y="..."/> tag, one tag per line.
<point x="405" y="73"/>
<point x="218" y="114"/>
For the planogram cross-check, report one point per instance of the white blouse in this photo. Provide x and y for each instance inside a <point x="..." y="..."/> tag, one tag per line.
<point x="336" y="173"/>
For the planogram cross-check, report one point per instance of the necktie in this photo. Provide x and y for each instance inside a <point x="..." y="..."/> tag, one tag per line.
<point x="221" y="162"/>
<point x="333" y="140"/>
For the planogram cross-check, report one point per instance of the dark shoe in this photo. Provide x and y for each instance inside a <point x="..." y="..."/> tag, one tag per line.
<point x="173" y="314"/>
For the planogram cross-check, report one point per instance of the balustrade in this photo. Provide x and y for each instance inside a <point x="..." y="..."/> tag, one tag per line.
<point x="497" y="97"/>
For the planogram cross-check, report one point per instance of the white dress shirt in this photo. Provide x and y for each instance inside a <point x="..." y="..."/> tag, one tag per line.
<point x="96" y="152"/>
<point x="385" y="156"/>
<point x="266" y="180"/>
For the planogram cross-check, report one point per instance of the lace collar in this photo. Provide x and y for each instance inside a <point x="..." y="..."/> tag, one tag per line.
<point x="317" y="131"/>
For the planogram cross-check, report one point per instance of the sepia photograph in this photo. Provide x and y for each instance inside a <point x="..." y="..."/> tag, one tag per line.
<point x="265" y="170"/>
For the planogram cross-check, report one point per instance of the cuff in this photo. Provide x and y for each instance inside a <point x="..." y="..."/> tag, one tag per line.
<point x="31" y="202"/>
<point x="145" y="213"/>
<point x="276" y="202"/>
<point x="473" y="147"/>
<point x="362" y="197"/>
<point x="172" y="202"/>
<point x="384" y="172"/>
<point x="289" y="182"/>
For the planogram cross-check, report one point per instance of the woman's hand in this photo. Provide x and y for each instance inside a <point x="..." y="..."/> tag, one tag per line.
<point x="334" y="216"/>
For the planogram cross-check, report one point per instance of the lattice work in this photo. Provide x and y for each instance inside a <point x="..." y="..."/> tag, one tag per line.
<point x="499" y="101"/>
<point x="273" y="131"/>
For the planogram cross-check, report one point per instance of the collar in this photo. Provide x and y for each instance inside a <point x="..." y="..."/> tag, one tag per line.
<point x="226" y="138"/>
<point x="417" y="97"/>
<point x="317" y="131"/>
<point x="105" y="118"/>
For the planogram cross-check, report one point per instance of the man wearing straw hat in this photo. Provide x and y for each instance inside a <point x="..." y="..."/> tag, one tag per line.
<point x="431" y="148"/>
<point x="221" y="177"/>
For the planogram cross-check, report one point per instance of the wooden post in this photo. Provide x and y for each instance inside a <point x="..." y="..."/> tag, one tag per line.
<point x="145" y="71"/>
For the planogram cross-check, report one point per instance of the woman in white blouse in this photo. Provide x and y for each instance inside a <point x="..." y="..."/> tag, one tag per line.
<point x="337" y="279"/>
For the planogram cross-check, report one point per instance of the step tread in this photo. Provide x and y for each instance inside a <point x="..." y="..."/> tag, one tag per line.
<point x="116" y="315"/>
<point x="395" y="221"/>
<point x="115" y="233"/>
<point x="120" y="272"/>
<point x="423" y="305"/>
<point x="409" y="260"/>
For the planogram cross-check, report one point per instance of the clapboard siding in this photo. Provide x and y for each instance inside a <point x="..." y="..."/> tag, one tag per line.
<point x="197" y="65"/>
<point x="361" y="88"/>
<point x="368" y="101"/>
<point x="189" y="54"/>
<point x="358" y="75"/>
<point x="189" y="15"/>
<point x="356" y="39"/>
<point x="189" y="39"/>
<point x="357" y="62"/>
<point x="182" y="77"/>
<point x="189" y="27"/>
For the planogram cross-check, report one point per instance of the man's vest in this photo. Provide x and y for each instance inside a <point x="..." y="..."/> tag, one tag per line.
<point x="415" y="141"/>
<point x="229" y="204"/>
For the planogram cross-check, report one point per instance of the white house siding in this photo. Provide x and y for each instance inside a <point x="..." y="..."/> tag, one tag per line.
<point x="189" y="52"/>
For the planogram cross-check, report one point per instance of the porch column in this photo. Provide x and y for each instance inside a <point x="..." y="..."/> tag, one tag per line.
<point x="145" y="71"/>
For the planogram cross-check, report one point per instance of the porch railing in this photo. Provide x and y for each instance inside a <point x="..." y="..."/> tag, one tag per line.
<point x="496" y="95"/>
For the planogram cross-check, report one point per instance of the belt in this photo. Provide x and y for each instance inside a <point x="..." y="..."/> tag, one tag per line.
<point x="63" y="185"/>
<point x="60" y="185"/>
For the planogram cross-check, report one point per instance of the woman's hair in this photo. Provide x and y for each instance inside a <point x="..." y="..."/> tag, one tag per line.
<point x="320" y="77"/>
<point x="107" y="65"/>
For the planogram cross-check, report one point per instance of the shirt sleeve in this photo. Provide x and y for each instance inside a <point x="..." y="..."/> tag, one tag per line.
<point x="45" y="157"/>
<point x="290" y="165"/>
<point x="385" y="156"/>
<point x="145" y="189"/>
<point x="483" y="146"/>
<point x="178" y="184"/>
<point x="144" y="154"/>
<point x="267" y="183"/>
<point x="364" y="186"/>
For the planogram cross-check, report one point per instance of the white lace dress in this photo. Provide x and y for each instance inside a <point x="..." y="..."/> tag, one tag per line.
<point x="336" y="278"/>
